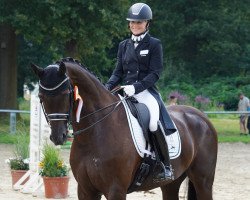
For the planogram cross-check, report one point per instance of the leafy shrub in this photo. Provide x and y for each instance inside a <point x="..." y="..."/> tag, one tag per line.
<point x="18" y="164"/>
<point x="21" y="151"/>
<point x="231" y="103"/>
<point x="52" y="164"/>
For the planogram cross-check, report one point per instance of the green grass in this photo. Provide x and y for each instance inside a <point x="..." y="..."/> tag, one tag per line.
<point x="23" y="104"/>
<point x="228" y="130"/>
<point x="7" y="138"/>
<point x="10" y="138"/>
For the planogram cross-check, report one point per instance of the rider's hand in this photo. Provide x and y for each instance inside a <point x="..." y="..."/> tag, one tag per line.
<point x="129" y="90"/>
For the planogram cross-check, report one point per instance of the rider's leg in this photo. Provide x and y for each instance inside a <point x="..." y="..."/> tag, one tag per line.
<point x="162" y="149"/>
<point x="158" y="140"/>
<point x="146" y="98"/>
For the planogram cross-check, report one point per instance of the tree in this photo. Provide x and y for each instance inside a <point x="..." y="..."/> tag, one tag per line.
<point x="8" y="56"/>
<point x="200" y="38"/>
<point x="66" y="28"/>
<point x="203" y="38"/>
<point x="8" y="69"/>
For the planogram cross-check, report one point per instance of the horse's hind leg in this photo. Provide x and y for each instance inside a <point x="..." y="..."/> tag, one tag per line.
<point x="202" y="178"/>
<point x="171" y="190"/>
<point x="202" y="190"/>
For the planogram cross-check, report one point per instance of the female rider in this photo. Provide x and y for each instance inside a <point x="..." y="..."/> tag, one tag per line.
<point x="139" y="65"/>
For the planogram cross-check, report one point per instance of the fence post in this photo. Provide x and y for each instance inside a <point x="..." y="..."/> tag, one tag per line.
<point x="12" y="122"/>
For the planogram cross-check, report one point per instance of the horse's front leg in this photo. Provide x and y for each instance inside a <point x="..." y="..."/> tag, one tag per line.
<point x="171" y="190"/>
<point x="88" y="195"/>
<point x="116" y="192"/>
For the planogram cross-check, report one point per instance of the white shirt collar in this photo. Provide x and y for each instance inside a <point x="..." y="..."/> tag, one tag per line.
<point x="138" y="38"/>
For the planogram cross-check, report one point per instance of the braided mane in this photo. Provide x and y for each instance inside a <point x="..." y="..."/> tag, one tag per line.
<point x="72" y="60"/>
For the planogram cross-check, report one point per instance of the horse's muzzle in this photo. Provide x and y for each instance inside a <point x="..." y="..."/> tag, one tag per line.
<point x="58" y="139"/>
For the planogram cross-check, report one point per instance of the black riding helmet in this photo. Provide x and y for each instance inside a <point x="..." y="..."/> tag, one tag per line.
<point x="139" y="12"/>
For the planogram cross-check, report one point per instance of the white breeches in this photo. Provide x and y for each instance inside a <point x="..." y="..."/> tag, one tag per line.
<point x="153" y="107"/>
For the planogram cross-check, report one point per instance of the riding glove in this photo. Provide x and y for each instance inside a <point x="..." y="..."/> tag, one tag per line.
<point x="129" y="90"/>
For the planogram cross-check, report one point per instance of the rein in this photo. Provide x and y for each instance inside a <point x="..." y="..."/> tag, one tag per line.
<point x="117" y="103"/>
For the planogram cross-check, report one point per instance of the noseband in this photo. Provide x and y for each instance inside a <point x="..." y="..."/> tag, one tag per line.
<point x="58" y="116"/>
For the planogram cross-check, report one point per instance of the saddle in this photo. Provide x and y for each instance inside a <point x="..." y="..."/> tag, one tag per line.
<point x="141" y="113"/>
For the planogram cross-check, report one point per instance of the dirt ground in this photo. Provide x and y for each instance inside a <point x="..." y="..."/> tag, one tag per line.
<point x="232" y="179"/>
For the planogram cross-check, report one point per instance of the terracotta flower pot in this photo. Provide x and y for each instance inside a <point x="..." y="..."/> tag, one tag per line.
<point x="17" y="174"/>
<point x="56" y="187"/>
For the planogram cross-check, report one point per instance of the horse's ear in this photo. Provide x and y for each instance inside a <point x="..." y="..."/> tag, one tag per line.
<point x="62" y="68"/>
<point x="37" y="70"/>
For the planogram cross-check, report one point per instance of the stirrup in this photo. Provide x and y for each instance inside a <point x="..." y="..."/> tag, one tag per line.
<point x="170" y="170"/>
<point x="166" y="173"/>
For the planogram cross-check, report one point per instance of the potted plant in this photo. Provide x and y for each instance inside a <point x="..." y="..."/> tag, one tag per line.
<point x="19" y="164"/>
<point x="55" y="173"/>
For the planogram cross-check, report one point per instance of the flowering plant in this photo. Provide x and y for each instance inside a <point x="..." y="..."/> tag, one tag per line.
<point x="20" y="160"/>
<point x="18" y="163"/>
<point x="182" y="99"/>
<point x="202" y="102"/>
<point x="52" y="165"/>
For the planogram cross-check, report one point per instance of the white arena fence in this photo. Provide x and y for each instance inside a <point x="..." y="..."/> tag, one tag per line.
<point x="13" y="114"/>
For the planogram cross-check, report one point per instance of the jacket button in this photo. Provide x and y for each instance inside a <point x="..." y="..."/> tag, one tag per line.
<point x="137" y="72"/>
<point x="128" y="72"/>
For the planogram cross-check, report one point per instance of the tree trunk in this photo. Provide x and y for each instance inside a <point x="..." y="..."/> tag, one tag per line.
<point x="8" y="68"/>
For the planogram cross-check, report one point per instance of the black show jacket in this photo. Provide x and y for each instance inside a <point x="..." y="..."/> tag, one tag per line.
<point x="140" y="66"/>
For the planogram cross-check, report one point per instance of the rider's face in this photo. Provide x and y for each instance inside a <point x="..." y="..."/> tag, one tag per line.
<point x="137" y="27"/>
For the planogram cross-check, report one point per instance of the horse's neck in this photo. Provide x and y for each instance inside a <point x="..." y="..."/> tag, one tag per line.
<point x="94" y="97"/>
<point x="92" y="92"/>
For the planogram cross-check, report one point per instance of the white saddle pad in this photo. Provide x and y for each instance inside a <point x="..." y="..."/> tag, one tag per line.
<point x="173" y="140"/>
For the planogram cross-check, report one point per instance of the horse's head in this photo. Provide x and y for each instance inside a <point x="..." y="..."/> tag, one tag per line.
<point x="56" y="96"/>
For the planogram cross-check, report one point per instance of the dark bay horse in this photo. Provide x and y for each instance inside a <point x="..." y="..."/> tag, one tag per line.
<point x="103" y="157"/>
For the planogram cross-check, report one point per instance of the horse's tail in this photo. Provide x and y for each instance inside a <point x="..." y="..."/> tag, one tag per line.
<point x="191" y="191"/>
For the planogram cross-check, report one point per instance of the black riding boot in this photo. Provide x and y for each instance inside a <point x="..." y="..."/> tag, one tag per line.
<point x="162" y="155"/>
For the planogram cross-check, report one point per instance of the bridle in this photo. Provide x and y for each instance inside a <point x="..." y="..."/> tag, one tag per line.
<point x="67" y="116"/>
<point x="58" y="116"/>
